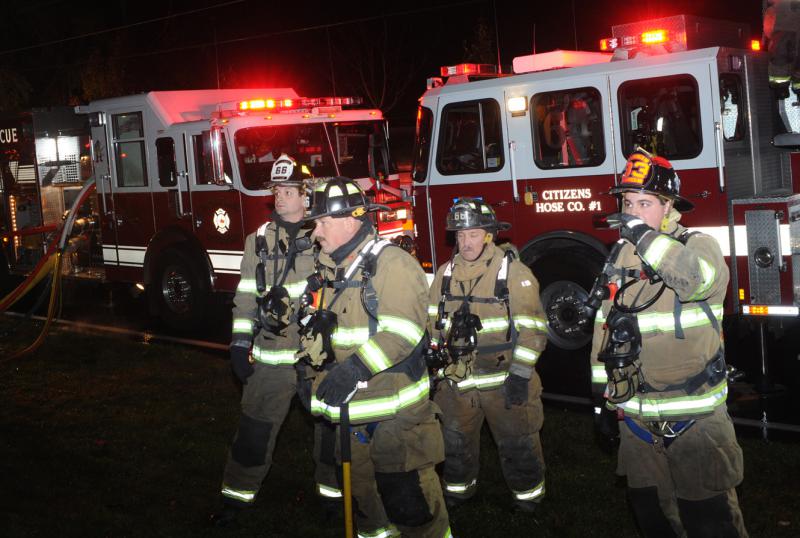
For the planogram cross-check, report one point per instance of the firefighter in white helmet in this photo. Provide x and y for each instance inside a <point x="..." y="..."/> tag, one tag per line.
<point x="488" y="330"/>
<point x="658" y="364"/>
<point x="277" y="259"/>
<point x="364" y="347"/>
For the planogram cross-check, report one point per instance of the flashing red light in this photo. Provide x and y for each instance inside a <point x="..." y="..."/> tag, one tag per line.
<point x="609" y="43"/>
<point x="654" y="37"/>
<point x="755" y="44"/>
<point x="468" y="69"/>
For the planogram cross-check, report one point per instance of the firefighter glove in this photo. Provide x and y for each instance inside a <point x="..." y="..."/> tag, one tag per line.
<point x="312" y="349"/>
<point x="341" y="381"/>
<point x="240" y="363"/>
<point x="606" y="423"/>
<point x="632" y="228"/>
<point x="516" y="390"/>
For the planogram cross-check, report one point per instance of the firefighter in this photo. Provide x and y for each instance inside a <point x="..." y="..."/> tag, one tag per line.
<point x="782" y="36"/>
<point x="367" y="338"/>
<point x="488" y="330"/>
<point x="657" y="361"/>
<point x="277" y="260"/>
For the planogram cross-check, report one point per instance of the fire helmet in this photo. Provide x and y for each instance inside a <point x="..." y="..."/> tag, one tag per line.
<point x="469" y="213"/>
<point x="340" y="197"/>
<point x="288" y="172"/>
<point x="652" y="175"/>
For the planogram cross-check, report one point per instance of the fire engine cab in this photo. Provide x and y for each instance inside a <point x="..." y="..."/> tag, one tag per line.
<point x="180" y="181"/>
<point x="545" y="144"/>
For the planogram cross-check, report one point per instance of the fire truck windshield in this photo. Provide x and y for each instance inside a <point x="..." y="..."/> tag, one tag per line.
<point x="328" y="149"/>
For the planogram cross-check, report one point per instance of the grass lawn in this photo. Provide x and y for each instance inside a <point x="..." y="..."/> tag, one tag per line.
<point x="107" y="437"/>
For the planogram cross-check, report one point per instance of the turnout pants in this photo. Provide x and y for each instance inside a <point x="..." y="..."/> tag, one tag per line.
<point x="395" y="486"/>
<point x="687" y="488"/>
<point x="515" y="430"/>
<point x="265" y="403"/>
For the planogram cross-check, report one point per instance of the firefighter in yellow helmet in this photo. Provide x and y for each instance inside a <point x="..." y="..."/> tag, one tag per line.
<point x="488" y="330"/>
<point x="658" y="362"/>
<point x="364" y="346"/>
<point x="277" y="259"/>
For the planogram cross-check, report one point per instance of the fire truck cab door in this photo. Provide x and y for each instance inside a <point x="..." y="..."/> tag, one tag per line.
<point x="124" y="184"/>
<point x="216" y="202"/>
<point x="171" y="200"/>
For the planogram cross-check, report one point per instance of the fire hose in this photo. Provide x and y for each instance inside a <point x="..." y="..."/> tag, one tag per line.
<point x="49" y="264"/>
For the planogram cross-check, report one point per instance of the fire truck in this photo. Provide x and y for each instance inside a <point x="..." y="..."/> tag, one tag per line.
<point x="544" y="144"/>
<point x="180" y="181"/>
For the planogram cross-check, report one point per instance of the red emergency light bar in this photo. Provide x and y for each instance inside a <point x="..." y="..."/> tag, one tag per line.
<point x="650" y="37"/>
<point x="303" y="102"/>
<point x="468" y="69"/>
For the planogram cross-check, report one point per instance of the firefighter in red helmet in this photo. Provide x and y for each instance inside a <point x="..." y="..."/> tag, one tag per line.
<point x="658" y="363"/>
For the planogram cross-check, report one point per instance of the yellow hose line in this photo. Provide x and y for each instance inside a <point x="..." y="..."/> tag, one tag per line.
<point x="51" y="308"/>
<point x="46" y="268"/>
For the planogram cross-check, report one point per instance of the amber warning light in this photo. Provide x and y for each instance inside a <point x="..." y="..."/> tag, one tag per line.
<point x="755" y="44"/>
<point x="650" y="37"/>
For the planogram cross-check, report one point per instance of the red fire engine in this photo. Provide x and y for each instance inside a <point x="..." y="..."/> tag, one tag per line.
<point x="544" y="145"/>
<point x="180" y="180"/>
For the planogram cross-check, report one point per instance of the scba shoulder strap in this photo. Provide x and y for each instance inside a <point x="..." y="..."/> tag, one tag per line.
<point x="279" y="251"/>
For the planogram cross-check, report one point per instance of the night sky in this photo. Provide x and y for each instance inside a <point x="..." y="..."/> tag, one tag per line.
<point x="58" y="53"/>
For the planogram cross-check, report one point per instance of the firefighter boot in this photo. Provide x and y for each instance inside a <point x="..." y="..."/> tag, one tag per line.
<point x="528" y="507"/>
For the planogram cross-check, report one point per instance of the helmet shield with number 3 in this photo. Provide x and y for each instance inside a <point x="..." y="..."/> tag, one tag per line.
<point x="469" y="213"/>
<point x="288" y="172"/>
<point x="652" y="175"/>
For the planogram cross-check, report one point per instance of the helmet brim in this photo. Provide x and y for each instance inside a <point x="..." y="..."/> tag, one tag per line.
<point x="678" y="202"/>
<point x="347" y="212"/>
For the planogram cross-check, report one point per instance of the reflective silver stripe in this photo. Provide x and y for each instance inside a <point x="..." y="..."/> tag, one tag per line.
<point x="433" y="310"/>
<point x="530" y="322"/>
<point x="460" y="488"/>
<point x="296" y="289"/>
<point x="709" y="274"/>
<point x="274" y="356"/>
<point x="374" y="408"/>
<point x="376" y="359"/>
<point x="239" y="495"/>
<point x="531" y="494"/>
<point x="599" y="373"/>
<point x="386" y="532"/>
<point x="247" y="285"/>
<point x="482" y="381"/>
<point x="350" y="337"/>
<point x="401" y="327"/>
<point x="657" y="250"/>
<point x="326" y="491"/>
<point x="525" y="354"/>
<point x="262" y="229"/>
<point x="681" y="405"/>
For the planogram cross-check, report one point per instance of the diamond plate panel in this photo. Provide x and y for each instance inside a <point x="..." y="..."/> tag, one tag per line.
<point x="762" y="232"/>
<point x="794" y="238"/>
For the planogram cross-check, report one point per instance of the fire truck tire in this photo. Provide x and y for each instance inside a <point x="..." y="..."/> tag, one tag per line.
<point x="565" y="277"/>
<point x="180" y="293"/>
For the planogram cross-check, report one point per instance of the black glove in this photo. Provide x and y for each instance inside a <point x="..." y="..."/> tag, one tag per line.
<point x="633" y="228"/>
<point x="240" y="363"/>
<point x="606" y="424"/>
<point x="516" y="390"/>
<point x="342" y="380"/>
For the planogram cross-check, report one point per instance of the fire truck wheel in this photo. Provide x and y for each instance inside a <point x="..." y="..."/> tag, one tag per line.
<point x="565" y="278"/>
<point x="180" y="292"/>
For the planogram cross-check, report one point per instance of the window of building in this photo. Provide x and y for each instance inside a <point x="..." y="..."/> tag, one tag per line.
<point x="470" y="140"/>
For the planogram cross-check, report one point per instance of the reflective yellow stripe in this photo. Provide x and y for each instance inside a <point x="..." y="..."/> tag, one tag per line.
<point x="247" y="285"/>
<point x="482" y="382"/>
<point x="296" y="289"/>
<point x="385" y="532"/>
<point x="433" y="310"/>
<point x="666" y="407"/>
<point x="460" y="488"/>
<point x="374" y="357"/>
<point x="709" y="274"/>
<point x="242" y="325"/>
<point x="350" y="337"/>
<point x="274" y="356"/>
<point x="657" y="250"/>
<point x="531" y="494"/>
<point x="665" y="321"/>
<point x="376" y="408"/>
<point x="493" y="325"/>
<point x="530" y="322"/>
<point x="327" y="491"/>
<point x="402" y="327"/>
<point x="599" y="374"/>
<point x="525" y="354"/>
<point x="240" y="495"/>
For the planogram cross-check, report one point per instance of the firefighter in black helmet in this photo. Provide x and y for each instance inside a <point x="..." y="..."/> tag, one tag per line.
<point x="488" y="330"/>
<point x="277" y="260"/>
<point x="371" y="301"/>
<point x="658" y="366"/>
